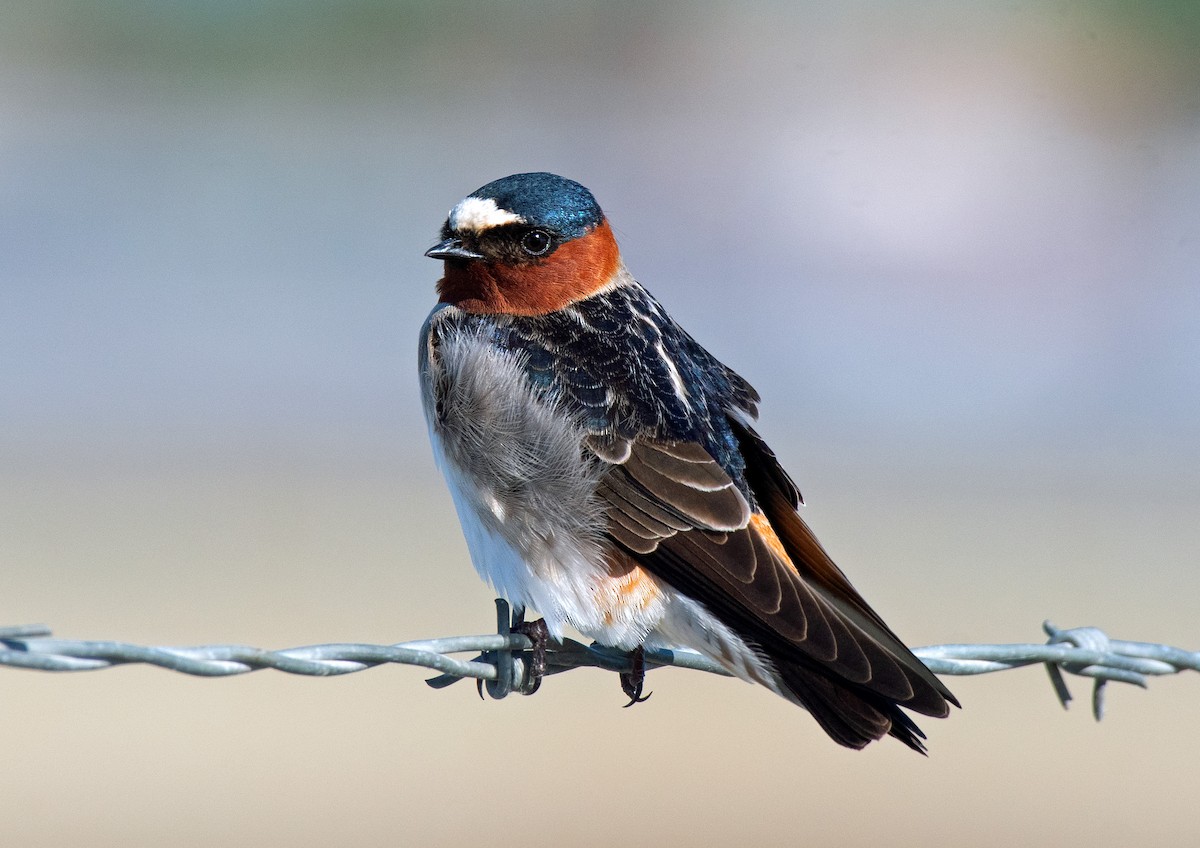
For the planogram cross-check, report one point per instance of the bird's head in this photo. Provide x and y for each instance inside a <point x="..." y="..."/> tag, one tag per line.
<point x="527" y="244"/>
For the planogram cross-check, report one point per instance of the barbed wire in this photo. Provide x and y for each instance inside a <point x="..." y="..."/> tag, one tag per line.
<point x="502" y="665"/>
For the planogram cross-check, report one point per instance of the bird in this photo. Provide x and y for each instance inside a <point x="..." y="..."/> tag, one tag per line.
<point x="607" y="473"/>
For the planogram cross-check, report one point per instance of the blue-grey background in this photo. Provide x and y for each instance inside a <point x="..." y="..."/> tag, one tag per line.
<point x="955" y="247"/>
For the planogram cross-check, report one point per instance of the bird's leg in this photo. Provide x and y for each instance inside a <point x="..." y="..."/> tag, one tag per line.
<point x="537" y="633"/>
<point x="633" y="680"/>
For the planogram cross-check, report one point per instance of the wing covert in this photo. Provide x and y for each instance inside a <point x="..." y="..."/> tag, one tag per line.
<point x="680" y="515"/>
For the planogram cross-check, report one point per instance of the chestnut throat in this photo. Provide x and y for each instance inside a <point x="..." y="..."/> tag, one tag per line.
<point x="576" y="270"/>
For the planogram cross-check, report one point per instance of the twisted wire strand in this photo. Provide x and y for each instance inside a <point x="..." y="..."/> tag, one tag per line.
<point x="502" y="662"/>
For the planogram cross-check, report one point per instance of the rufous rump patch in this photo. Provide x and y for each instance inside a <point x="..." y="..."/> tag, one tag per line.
<point x="578" y="269"/>
<point x="761" y="525"/>
<point x="631" y="588"/>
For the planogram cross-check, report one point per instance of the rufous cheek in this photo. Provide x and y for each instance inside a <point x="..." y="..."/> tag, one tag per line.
<point x="578" y="269"/>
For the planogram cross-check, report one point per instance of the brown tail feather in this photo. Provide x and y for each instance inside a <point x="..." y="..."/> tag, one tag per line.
<point x="852" y="714"/>
<point x="851" y="718"/>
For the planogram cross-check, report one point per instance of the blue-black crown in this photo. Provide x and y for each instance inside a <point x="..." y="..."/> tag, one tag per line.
<point x="546" y="200"/>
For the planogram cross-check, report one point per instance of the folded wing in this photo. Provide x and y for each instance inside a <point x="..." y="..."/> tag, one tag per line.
<point x="758" y="568"/>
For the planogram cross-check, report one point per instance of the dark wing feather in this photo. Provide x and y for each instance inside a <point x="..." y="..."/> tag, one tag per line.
<point x="764" y="473"/>
<point x="689" y="482"/>
<point x="678" y="513"/>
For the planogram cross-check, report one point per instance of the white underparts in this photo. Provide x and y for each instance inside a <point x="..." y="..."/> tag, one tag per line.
<point x="525" y="497"/>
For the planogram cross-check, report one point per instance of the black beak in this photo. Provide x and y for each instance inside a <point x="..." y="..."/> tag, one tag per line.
<point x="452" y="248"/>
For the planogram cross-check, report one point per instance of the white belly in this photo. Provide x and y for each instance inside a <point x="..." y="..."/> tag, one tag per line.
<point x="526" y="497"/>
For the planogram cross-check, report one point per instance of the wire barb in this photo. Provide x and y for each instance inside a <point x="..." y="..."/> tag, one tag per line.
<point x="505" y="660"/>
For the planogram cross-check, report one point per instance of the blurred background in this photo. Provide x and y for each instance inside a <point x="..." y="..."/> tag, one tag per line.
<point x="954" y="246"/>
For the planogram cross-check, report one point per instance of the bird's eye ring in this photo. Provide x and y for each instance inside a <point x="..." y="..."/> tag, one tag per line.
<point x="536" y="242"/>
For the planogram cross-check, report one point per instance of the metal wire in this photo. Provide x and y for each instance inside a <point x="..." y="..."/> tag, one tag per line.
<point x="503" y="660"/>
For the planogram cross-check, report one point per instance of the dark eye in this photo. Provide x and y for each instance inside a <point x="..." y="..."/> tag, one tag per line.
<point x="536" y="242"/>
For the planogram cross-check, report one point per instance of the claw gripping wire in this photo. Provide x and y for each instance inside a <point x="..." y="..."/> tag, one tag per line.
<point x="508" y="661"/>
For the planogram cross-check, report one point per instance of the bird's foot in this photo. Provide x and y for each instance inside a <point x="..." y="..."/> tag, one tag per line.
<point x="539" y="634"/>
<point x="633" y="680"/>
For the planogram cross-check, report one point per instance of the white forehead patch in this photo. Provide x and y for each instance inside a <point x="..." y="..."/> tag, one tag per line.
<point x="480" y="213"/>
